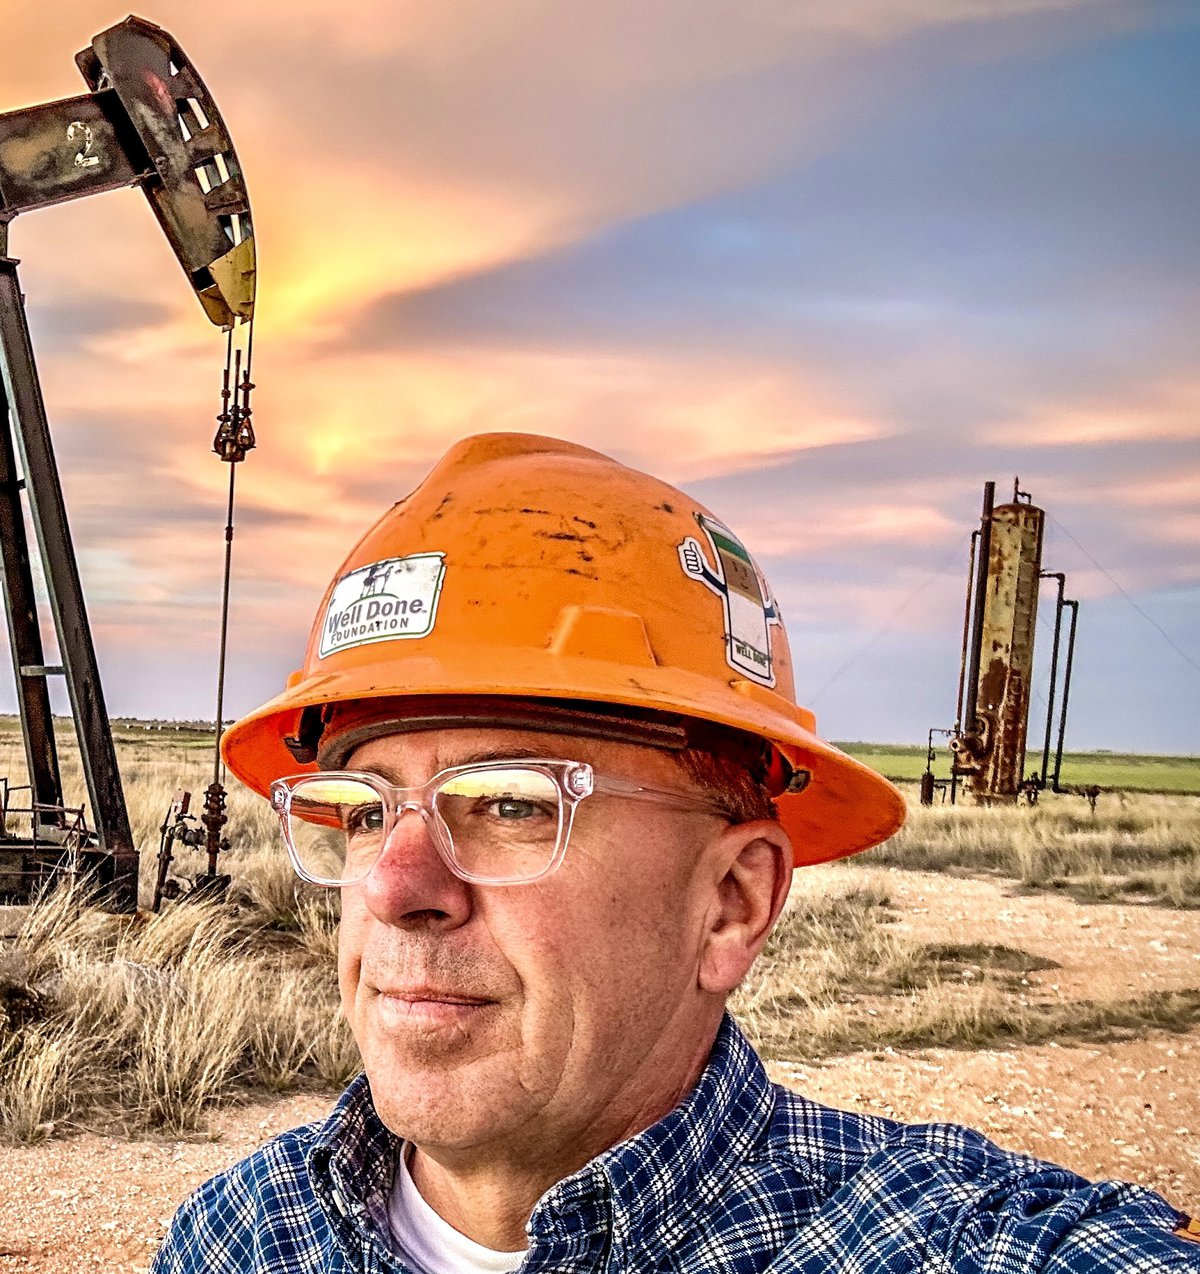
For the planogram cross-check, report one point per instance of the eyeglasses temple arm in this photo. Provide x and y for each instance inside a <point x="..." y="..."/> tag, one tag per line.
<point x="656" y="795"/>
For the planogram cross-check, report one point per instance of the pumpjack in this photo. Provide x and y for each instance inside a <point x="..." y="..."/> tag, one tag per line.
<point x="147" y="121"/>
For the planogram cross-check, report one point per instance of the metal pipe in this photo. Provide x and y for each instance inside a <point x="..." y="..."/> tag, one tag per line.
<point x="234" y="438"/>
<point x="927" y="777"/>
<point x="981" y="573"/>
<point x="928" y="783"/>
<point x="962" y="663"/>
<point x="224" y="626"/>
<point x="1062" y="720"/>
<point x="1058" y="610"/>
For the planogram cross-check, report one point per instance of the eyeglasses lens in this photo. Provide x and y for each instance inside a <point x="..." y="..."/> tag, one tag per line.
<point x="499" y="824"/>
<point x="503" y="824"/>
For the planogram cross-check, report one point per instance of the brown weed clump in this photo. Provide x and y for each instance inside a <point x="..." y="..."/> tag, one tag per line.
<point x="1141" y="847"/>
<point x="147" y="1022"/>
<point x="837" y="977"/>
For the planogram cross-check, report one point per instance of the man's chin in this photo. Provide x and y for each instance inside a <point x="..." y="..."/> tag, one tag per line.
<point x="439" y="1106"/>
<point x="434" y="1071"/>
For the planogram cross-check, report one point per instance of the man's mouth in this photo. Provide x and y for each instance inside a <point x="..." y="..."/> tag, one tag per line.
<point x="428" y="1006"/>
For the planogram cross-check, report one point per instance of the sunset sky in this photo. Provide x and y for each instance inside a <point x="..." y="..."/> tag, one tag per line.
<point x="828" y="266"/>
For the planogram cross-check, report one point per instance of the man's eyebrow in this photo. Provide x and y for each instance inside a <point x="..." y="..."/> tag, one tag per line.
<point x="480" y="756"/>
<point x="484" y="755"/>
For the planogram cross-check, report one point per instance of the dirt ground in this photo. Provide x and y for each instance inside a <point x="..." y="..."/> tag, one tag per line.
<point x="1128" y="1109"/>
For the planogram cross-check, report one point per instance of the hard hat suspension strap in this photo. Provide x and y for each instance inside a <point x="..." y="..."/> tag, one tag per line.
<point x="327" y="734"/>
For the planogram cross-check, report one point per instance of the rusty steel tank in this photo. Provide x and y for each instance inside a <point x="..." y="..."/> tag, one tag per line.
<point x="990" y="738"/>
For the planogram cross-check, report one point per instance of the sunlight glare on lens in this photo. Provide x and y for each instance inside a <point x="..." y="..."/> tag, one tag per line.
<point x="498" y="784"/>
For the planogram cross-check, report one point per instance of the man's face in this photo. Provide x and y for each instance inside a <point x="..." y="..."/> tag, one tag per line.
<point x="523" y="1019"/>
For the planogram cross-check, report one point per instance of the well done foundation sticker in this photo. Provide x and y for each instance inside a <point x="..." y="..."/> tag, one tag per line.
<point x="385" y="601"/>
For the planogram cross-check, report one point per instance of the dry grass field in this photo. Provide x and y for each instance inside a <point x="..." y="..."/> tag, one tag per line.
<point x="1140" y="847"/>
<point x="1111" y="771"/>
<point x="1035" y="972"/>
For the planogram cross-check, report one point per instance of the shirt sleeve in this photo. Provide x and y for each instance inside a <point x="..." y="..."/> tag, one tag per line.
<point x="260" y="1214"/>
<point x="210" y="1232"/>
<point x="1044" y="1218"/>
<point x="1128" y="1238"/>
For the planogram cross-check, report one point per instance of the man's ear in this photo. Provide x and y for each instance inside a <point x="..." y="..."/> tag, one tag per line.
<point x="753" y="868"/>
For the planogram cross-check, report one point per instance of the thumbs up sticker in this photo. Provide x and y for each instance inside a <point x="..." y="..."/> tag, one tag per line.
<point x="750" y="610"/>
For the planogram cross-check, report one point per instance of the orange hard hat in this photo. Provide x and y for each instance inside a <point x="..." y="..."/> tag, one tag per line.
<point x="531" y="581"/>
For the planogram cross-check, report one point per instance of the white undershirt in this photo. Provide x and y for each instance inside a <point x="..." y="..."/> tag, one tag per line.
<point x="433" y="1246"/>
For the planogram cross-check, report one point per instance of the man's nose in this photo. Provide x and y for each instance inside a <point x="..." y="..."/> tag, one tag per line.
<point x="410" y="885"/>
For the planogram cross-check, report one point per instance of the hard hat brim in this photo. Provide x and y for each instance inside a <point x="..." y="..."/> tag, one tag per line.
<point x="846" y="807"/>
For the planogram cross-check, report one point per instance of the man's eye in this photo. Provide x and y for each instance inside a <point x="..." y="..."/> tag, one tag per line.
<point x="364" y="820"/>
<point x="512" y="809"/>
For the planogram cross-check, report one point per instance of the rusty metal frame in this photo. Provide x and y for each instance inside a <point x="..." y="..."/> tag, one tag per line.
<point x="60" y="843"/>
<point x="995" y="676"/>
<point x="28" y="436"/>
<point x="24" y="631"/>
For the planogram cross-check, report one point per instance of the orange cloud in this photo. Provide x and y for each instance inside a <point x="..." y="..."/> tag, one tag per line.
<point x="1164" y="411"/>
<point x="893" y="18"/>
<point x="864" y="525"/>
<point x="474" y="133"/>
<point x="684" y="417"/>
<point x="1161" y="491"/>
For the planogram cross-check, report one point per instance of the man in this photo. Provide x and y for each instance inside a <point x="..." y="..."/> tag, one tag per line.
<point x="546" y="744"/>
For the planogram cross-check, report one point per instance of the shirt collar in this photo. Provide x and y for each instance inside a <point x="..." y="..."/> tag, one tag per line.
<point x="352" y="1163"/>
<point x="640" y="1185"/>
<point x="650" y="1181"/>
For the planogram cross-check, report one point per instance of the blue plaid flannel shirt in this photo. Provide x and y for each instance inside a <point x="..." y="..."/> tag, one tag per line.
<point x="742" y="1177"/>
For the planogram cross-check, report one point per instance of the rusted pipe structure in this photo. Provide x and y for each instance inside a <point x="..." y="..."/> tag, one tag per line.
<point x="1062" y="719"/>
<point x="1050" y="697"/>
<point x="970" y="723"/>
<point x="995" y="674"/>
<point x="966" y="633"/>
<point x="989" y="743"/>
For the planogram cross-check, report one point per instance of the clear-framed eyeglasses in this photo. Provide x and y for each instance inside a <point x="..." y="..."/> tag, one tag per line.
<point x="492" y="822"/>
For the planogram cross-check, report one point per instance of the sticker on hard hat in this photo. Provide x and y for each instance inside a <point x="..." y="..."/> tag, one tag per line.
<point x="750" y="610"/>
<point x="385" y="601"/>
